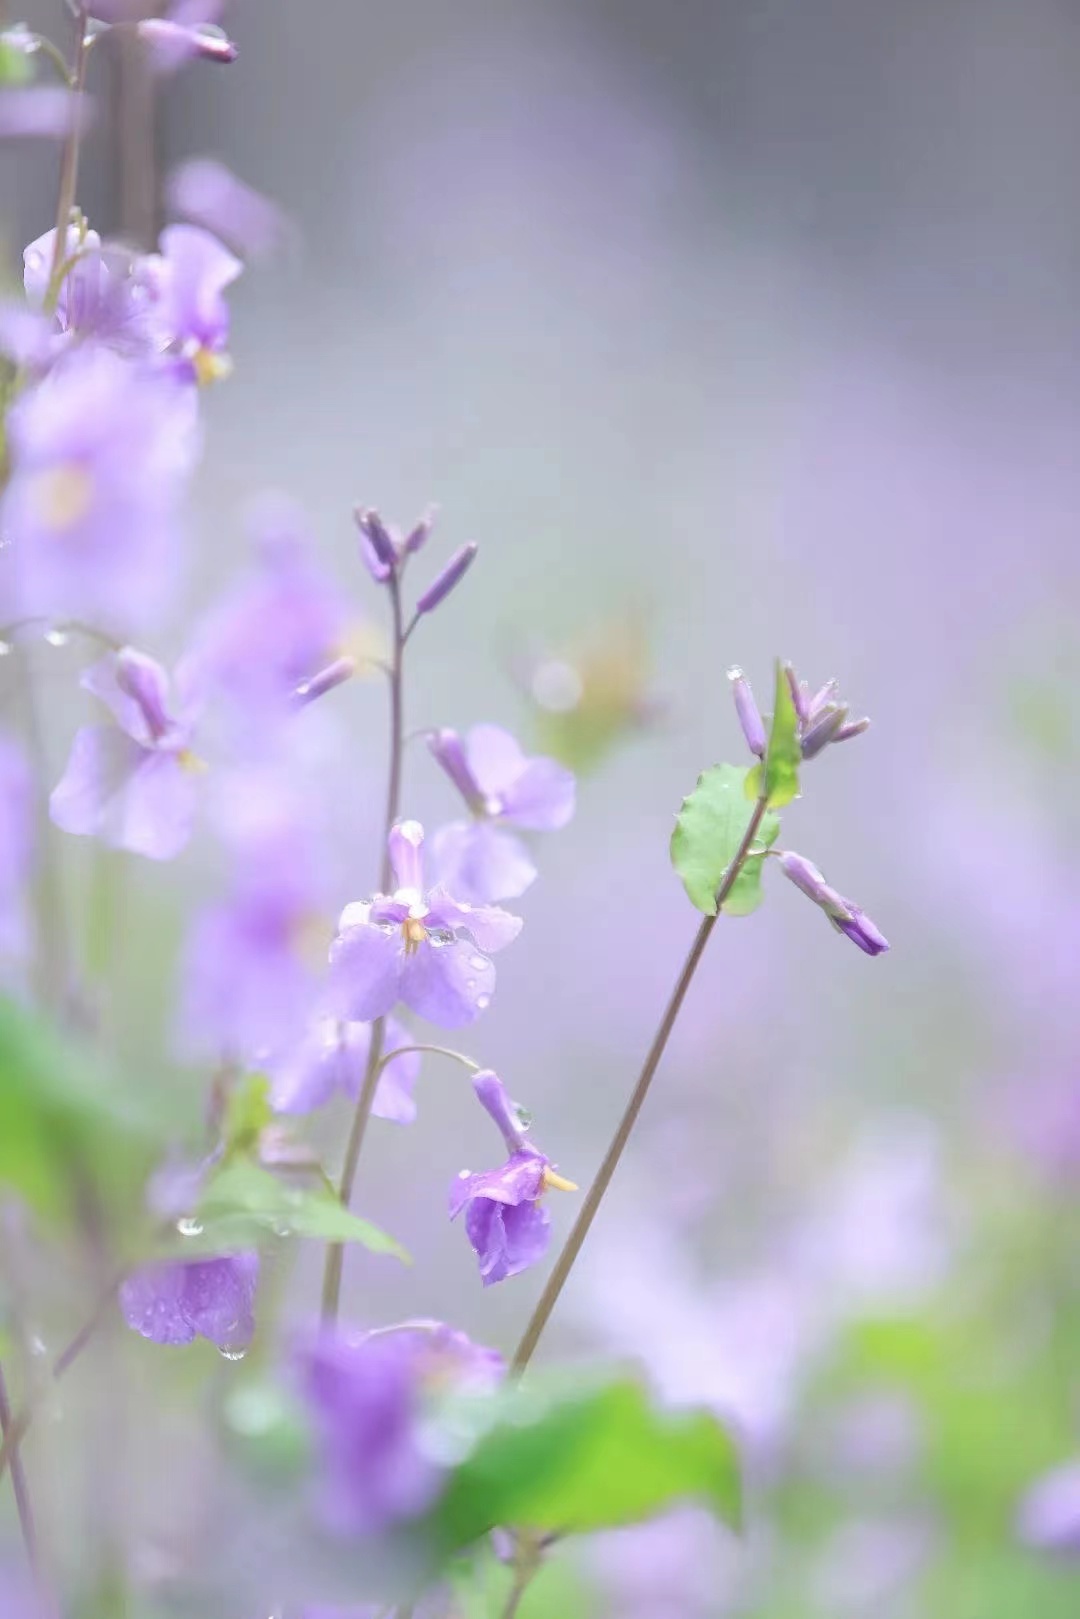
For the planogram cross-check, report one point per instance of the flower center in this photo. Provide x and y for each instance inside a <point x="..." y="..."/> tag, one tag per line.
<point x="63" y="496"/>
<point x="414" y="933"/>
<point x="210" y="366"/>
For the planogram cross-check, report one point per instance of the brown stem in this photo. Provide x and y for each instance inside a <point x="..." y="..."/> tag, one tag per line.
<point x="593" y="1198"/>
<point x="19" y="1485"/>
<point x="69" y="163"/>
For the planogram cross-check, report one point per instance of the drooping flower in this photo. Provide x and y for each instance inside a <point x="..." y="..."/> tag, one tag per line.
<point x="190" y="315"/>
<point x="505" y="1222"/>
<point x="180" y="1300"/>
<point x="133" y="784"/>
<point x="845" y="917"/>
<point x="480" y="859"/>
<point x="373" y="1402"/>
<point x="332" y="1059"/>
<point x="100" y="449"/>
<point x="424" y="948"/>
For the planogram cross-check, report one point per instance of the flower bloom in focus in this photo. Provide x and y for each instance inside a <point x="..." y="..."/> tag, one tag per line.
<point x="372" y="1401"/>
<point x="180" y="1300"/>
<point x="332" y="1059"/>
<point x="132" y="784"/>
<point x="424" y="948"/>
<point x="479" y="859"/>
<point x="504" y="1220"/>
<point x="100" y="449"/>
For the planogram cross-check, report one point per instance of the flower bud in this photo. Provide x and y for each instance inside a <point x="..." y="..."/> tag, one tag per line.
<point x="747" y="710"/>
<point x="805" y="875"/>
<point x="844" y="916"/>
<point x="861" y="931"/>
<point x="823" y="731"/>
<point x="173" y="43"/>
<point x="335" y="674"/>
<point x="448" y="579"/>
<point x="821" y="700"/>
<point x="448" y="749"/>
<point x="421" y="533"/>
<point x="852" y="728"/>
<point x="798" y="691"/>
<point x="376" y="544"/>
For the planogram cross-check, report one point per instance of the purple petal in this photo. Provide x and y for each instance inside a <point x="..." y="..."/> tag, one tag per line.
<point x="152" y="1301"/>
<point x="494" y="1098"/>
<point x="88" y="799"/>
<point x="208" y="194"/>
<point x="158" y="808"/>
<point x="480" y="862"/>
<point x="219" y="1299"/>
<point x="507" y="1240"/>
<point x="332" y="1058"/>
<point x="491" y="927"/>
<point x="42" y="111"/>
<point x="448" y="749"/>
<point x="450" y="984"/>
<point x="193" y="272"/>
<point x="542" y="798"/>
<point x="495" y="758"/>
<point x="519" y="1180"/>
<point x="366" y="972"/>
<point x="407" y="855"/>
<point x="135" y="688"/>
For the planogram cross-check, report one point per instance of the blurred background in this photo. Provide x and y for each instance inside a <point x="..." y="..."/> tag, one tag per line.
<point x="728" y="330"/>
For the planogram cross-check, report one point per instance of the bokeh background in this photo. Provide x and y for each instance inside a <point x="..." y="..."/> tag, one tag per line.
<point x="728" y="330"/>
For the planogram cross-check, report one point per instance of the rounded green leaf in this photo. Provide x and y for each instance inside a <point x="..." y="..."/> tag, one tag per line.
<point x="707" y="836"/>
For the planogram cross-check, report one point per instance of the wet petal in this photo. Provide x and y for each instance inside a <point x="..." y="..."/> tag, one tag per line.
<point x="479" y="862"/>
<point x="491" y="927"/>
<point x="366" y="969"/>
<point x="219" y="1298"/>
<point x="542" y="798"/>
<point x="450" y="985"/>
<point x="507" y="1239"/>
<point x="519" y="1180"/>
<point x="152" y="1302"/>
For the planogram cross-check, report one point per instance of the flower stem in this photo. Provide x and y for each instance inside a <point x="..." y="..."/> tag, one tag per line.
<point x="335" y="1253"/>
<point x="580" y="1230"/>
<point x="437" y="1051"/>
<point x="69" y="163"/>
<point x="19" y="1485"/>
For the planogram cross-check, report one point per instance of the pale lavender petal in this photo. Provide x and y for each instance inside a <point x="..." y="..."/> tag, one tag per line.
<point x="195" y="268"/>
<point x="488" y="925"/>
<point x="519" y="1180"/>
<point x="44" y="111"/>
<point x="450" y="985"/>
<point x="507" y="1239"/>
<point x="88" y="799"/>
<point x="208" y="194"/>
<point x="135" y="688"/>
<point x="152" y="1301"/>
<point x="332" y="1059"/>
<point x="157" y="810"/>
<point x="480" y="862"/>
<point x="542" y="798"/>
<point x="219" y="1299"/>
<point x="495" y="758"/>
<point x="495" y="1099"/>
<point x="407" y="855"/>
<point x="366" y="972"/>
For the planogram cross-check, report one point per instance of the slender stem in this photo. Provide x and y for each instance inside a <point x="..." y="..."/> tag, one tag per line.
<point x="526" y="1565"/>
<point x="335" y="1253"/>
<point x="69" y="163"/>
<point x="49" y="50"/>
<point x="438" y="1051"/>
<point x="19" y="1485"/>
<point x="593" y="1198"/>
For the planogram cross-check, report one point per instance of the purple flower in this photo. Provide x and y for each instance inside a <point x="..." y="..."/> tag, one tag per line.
<point x="384" y="548"/>
<point x="180" y="1300"/>
<point x="371" y="1403"/>
<point x="279" y="626"/>
<point x="746" y="708"/>
<point x="503" y="1218"/>
<point x="844" y="916"/>
<point x="206" y="193"/>
<point x="41" y="112"/>
<point x="332" y="1059"/>
<point x="100" y="450"/>
<point x="1048" y="1517"/>
<point x="191" y="316"/>
<point x="480" y="860"/>
<point x="425" y="949"/>
<point x="105" y="293"/>
<point x="132" y="784"/>
<point x="16" y="844"/>
<point x="822" y="717"/>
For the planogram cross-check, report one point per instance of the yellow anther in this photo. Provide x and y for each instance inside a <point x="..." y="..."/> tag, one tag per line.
<point x="556" y="1183"/>
<point x="63" y="496"/>
<point x="191" y="762"/>
<point x="415" y="933"/>
<point x="210" y="366"/>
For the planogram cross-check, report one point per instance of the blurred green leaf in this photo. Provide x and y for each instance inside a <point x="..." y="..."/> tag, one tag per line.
<point x="247" y="1114"/>
<point x="243" y="1202"/>
<point x="571" y="1458"/>
<point x="15" y="66"/>
<point x="706" y="839"/>
<point x="69" y="1129"/>
<point x="783" y="754"/>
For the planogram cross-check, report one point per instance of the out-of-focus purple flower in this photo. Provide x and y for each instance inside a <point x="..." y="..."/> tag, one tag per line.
<point x="844" y="916"/>
<point x="190" y="314"/>
<point x="252" y="963"/>
<point x="16" y="844"/>
<point x="99" y="450"/>
<point x="105" y="292"/>
<point x="378" y="546"/>
<point x="42" y="112"/>
<point x="822" y="717"/>
<point x="423" y="948"/>
<point x="480" y="860"/>
<point x="132" y="784"/>
<point x="1048" y="1516"/>
<point x="749" y="716"/>
<point x="448" y="579"/>
<point x="206" y="193"/>
<point x="172" y="43"/>
<point x="279" y="626"/>
<point x="504" y="1221"/>
<point x="331" y="1059"/>
<point x="180" y="1300"/>
<point x="371" y="1404"/>
<point x="326" y="680"/>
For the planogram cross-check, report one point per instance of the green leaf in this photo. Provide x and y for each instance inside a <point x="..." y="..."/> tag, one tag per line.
<point x="243" y="1202"/>
<point x="783" y="754"/>
<point x="15" y="66"/>
<point x="706" y="839"/>
<point x="573" y="1458"/>
<point x="247" y="1114"/>
<point x="68" y="1127"/>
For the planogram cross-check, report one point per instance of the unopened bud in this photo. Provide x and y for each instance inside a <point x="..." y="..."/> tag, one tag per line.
<point x="421" y="533"/>
<point x="747" y="710"/>
<point x="178" y="42"/>
<point x="798" y="691"/>
<point x="376" y="544"/>
<point x="335" y="674"/>
<point x="861" y="931"/>
<point x="805" y="875"/>
<point x="449" y="750"/>
<point x="823" y="731"/>
<point x="821" y="700"/>
<point x="844" y="916"/>
<point x="445" y="582"/>
<point x="852" y="728"/>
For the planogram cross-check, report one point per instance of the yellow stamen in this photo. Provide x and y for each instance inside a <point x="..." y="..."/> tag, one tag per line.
<point x="210" y="366"/>
<point x="415" y="933"/>
<point x="63" y="496"/>
<point x="556" y="1183"/>
<point x="191" y="762"/>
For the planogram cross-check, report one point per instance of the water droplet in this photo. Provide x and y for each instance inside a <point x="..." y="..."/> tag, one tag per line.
<point x="232" y="1351"/>
<point x="463" y="1174"/>
<point x="5" y="649"/>
<point x="57" y="637"/>
<point x="524" y="1117"/>
<point x="189" y="1227"/>
<point x="483" y="1002"/>
<point x="470" y="984"/>
<point x="438" y="937"/>
<point x="282" y="1228"/>
<point x="36" y="1346"/>
<point x="479" y="962"/>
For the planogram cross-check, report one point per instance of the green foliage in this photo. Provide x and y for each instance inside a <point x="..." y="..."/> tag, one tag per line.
<point x="15" y="66"/>
<point x="783" y="754"/>
<point x="247" y="1114"/>
<point x="573" y="1457"/>
<point x="706" y="839"/>
<point x="243" y="1203"/>
<point x="70" y="1131"/>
